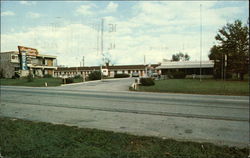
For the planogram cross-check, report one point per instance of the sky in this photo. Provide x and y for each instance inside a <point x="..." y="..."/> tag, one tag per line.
<point x="132" y="30"/>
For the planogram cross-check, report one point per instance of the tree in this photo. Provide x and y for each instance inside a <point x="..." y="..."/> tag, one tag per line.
<point x="180" y="57"/>
<point x="233" y="42"/>
<point x="217" y="55"/>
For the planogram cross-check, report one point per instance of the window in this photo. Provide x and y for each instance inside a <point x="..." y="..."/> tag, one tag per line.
<point x="17" y="68"/>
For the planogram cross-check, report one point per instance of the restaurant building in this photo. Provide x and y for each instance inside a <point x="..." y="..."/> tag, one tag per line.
<point x="190" y="68"/>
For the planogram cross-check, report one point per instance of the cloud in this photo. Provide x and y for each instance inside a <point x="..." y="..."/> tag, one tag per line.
<point x="33" y="15"/>
<point x="28" y="3"/>
<point x="7" y="13"/>
<point x="85" y="9"/>
<point x="154" y="29"/>
<point x="111" y="7"/>
<point x="68" y="42"/>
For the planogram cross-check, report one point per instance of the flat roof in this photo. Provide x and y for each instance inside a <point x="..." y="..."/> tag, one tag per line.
<point x="186" y="64"/>
<point x="16" y="52"/>
<point x="112" y="67"/>
<point x="46" y="56"/>
<point x="39" y="55"/>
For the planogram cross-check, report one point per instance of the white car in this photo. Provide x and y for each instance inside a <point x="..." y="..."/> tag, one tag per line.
<point x="135" y="74"/>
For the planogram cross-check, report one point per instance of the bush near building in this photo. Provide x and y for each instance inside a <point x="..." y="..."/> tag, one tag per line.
<point x="147" y="81"/>
<point x="178" y="75"/>
<point x="69" y="80"/>
<point x="95" y="75"/>
<point x="78" y="77"/>
<point x="47" y="76"/>
<point x="121" y="75"/>
<point x="30" y="77"/>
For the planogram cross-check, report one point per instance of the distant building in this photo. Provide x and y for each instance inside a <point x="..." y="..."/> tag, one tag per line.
<point x="107" y="70"/>
<point x="26" y="60"/>
<point x="191" y="68"/>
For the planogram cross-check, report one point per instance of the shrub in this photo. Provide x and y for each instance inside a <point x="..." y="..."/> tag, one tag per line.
<point x="15" y="76"/>
<point x="147" y="81"/>
<point x="30" y="77"/>
<point x="1" y="73"/>
<point x="68" y="80"/>
<point x="217" y="75"/>
<point x="78" y="77"/>
<point x="178" y="75"/>
<point x="169" y="75"/>
<point x="95" y="75"/>
<point x="47" y="76"/>
<point x="121" y="75"/>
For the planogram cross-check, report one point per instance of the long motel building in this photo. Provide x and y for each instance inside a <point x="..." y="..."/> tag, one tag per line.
<point x="190" y="68"/>
<point x="107" y="70"/>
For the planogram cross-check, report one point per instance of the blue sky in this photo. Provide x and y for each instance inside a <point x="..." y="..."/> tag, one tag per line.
<point x="68" y="29"/>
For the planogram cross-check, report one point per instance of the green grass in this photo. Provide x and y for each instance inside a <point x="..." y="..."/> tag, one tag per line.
<point x="208" y="86"/>
<point x="37" y="82"/>
<point x="77" y="80"/>
<point x="26" y="139"/>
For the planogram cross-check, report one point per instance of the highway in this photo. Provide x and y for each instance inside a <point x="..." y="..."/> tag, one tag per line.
<point x="108" y="105"/>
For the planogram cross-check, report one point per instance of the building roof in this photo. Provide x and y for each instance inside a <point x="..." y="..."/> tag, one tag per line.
<point x="46" y="56"/>
<point x="186" y="64"/>
<point x="16" y="52"/>
<point x="39" y="55"/>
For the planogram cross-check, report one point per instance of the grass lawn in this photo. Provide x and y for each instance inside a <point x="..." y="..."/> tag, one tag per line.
<point x="26" y="139"/>
<point x="208" y="86"/>
<point x="37" y="82"/>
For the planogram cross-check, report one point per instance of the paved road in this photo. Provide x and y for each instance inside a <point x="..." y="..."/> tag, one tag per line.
<point x="223" y="120"/>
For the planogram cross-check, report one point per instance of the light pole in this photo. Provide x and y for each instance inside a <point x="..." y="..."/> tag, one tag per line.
<point x="225" y="72"/>
<point x="200" y="41"/>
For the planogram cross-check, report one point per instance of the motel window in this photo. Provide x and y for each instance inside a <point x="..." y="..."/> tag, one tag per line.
<point x="17" y="68"/>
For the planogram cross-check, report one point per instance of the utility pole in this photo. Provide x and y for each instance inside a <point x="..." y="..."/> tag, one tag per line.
<point x="146" y="73"/>
<point x="97" y="40"/>
<point x="200" y="41"/>
<point x="222" y="65"/>
<point x="83" y="61"/>
<point x="102" y="45"/>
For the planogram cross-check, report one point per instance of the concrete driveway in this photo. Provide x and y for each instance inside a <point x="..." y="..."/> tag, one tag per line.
<point x="121" y="84"/>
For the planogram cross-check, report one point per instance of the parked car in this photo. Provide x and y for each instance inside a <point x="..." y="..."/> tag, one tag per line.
<point x="135" y="74"/>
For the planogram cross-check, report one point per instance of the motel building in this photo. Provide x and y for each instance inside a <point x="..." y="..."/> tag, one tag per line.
<point x="24" y="61"/>
<point x="107" y="70"/>
<point x="190" y="68"/>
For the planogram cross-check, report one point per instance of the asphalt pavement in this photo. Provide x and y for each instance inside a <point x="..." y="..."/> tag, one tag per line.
<point x="108" y="105"/>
